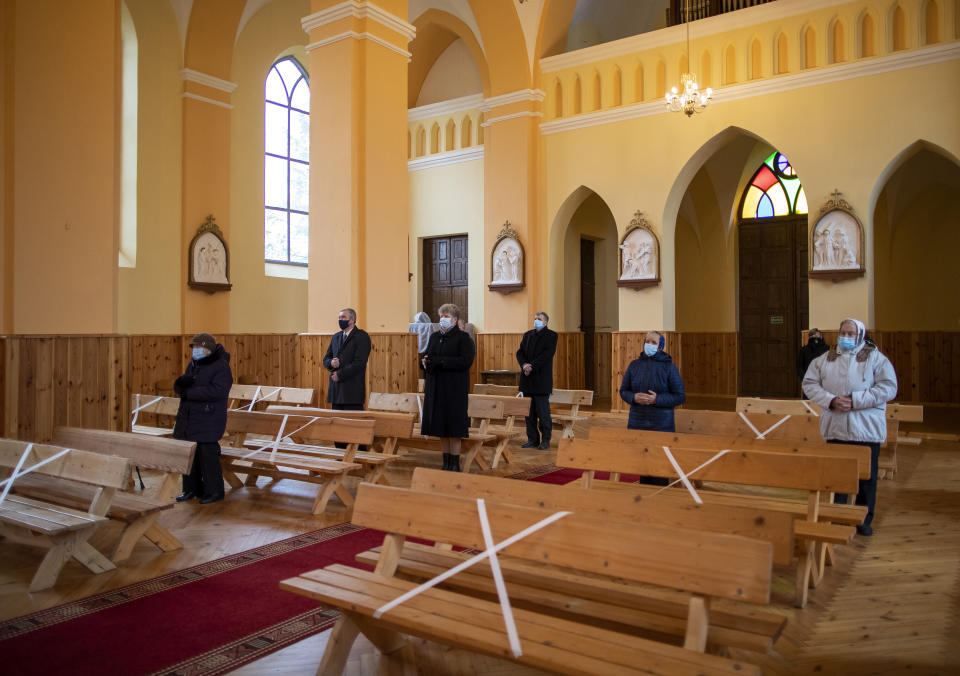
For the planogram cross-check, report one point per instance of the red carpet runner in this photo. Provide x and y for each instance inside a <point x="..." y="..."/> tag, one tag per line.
<point x="205" y="620"/>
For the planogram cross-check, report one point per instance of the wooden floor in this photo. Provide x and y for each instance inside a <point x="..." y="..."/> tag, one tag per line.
<point x="890" y="606"/>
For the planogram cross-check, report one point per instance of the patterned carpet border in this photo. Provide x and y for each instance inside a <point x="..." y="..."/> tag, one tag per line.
<point x="114" y="597"/>
<point x="228" y="657"/>
<point x="534" y="472"/>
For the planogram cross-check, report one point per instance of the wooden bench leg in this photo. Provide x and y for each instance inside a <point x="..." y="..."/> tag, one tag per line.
<point x="162" y="538"/>
<point x="804" y="571"/>
<point x="345" y="497"/>
<point x="500" y="450"/>
<point x="568" y="430"/>
<point x="229" y="475"/>
<point x="323" y="497"/>
<point x="387" y="641"/>
<point x="341" y="640"/>
<point x="698" y="624"/>
<point x="128" y="538"/>
<point x="53" y="561"/>
<point x="96" y="563"/>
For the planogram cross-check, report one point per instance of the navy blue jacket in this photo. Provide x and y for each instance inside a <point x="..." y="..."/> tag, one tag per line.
<point x="203" y="404"/>
<point x="657" y="373"/>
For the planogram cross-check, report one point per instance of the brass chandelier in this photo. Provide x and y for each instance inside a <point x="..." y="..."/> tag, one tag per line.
<point x="689" y="99"/>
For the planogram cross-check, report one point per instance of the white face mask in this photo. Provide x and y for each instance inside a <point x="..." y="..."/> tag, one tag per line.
<point x="649" y="349"/>
<point x="446" y="323"/>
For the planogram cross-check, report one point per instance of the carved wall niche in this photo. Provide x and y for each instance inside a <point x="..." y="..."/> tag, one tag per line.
<point x="506" y="262"/>
<point x="209" y="259"/>
<point x="836" y="242"/>
<point x="639" y="255"/>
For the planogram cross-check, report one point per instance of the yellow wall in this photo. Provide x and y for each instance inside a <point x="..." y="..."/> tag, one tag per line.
<point x="592" y="220"/>
<point x="65" y="121"/>
<point x="917" y="244"/>
<point x="454" y="74"/>
<point x="260" y="303"/>
<point x="447" y="201"/>
<point x="149" y="294"/>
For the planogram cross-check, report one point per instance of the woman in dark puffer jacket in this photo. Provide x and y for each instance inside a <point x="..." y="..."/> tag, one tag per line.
<point x="653" y="387"/>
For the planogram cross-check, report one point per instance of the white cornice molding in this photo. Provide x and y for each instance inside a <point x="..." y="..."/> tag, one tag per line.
<point x="190" y="75"/>
<point x="204" y="99"/>
<point x="444" y="159"/>
<point x="511" y="116"/>
<point x="519" y="96"/>
<point x="448" y="107"/>
<point x="721" y="23"/>
<point x="835" y="73"/>
<point x="359" y="9"/>
<point x="358" y="36"/>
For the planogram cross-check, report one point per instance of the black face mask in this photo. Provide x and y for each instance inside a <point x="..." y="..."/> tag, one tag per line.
<point x="815" y="341"/>
<point x="344" y="323"/>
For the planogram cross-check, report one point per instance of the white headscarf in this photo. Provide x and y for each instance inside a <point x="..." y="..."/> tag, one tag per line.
<point x="423" y="328"/>
<point x="861" y="332"/>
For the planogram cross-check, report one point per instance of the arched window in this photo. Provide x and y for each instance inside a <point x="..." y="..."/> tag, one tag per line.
<point x="286" y="165"/>
<point x="774" y="191"/>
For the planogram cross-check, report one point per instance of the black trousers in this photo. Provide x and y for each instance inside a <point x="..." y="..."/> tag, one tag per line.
<point x="347" y="407"/>
<point x="539" y="422"/>
<point x="206" y="475"/>
<point x="867" y="494"/>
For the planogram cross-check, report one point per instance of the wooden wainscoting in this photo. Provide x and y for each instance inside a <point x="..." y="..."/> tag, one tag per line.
<point x="498" y="351"/>
<point x="48" y="381"/>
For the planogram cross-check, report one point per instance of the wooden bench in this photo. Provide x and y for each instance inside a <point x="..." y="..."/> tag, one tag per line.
<point x="496" y="415"/>
<point x="816" y="476"/>
<point x="895" y="413"/>
<point x="410" y="403"/>
<point x="305" y="466"/>
<point x="564" y="404"/>
<point x="248" y="396"/>
<point x="154" y="405"/>
<point x="739" y="569"/>
<point x="65" y="531"/>
<point x="636" y="608"/>
<point x="137" y="511"/>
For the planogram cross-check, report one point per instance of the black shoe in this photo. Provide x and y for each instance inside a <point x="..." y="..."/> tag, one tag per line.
<point x="211" y="498"/>
<point x="865" y="530"/>
<point x="544" y="446"/>
<point x="529" y="444"/>
<point x="454" y="463"/>
<point x="186" y="495"/>
<point x="446" y="462"/>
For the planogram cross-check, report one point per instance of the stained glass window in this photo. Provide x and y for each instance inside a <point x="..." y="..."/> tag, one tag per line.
<point x="286" y="163"/>
<point x="774" y="190"/>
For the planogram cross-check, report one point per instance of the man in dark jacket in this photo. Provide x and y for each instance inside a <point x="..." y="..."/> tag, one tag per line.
<point x="535" y="357"/>
<point x="346" y="359"/>
<point x="814" y="348"/>
<point x="204" y="389"/>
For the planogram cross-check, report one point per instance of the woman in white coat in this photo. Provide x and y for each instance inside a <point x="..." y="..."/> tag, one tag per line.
<point x="852" y="384"/>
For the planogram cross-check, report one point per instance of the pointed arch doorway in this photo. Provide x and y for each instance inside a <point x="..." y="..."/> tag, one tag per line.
<point x="773" y="295"/>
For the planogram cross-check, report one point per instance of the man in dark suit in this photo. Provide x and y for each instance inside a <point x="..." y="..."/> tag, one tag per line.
<point x="346" y="359"/>
<point x="535" y="357"/>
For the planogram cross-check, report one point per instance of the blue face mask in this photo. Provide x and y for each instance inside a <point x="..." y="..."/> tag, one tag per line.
<point x="649" y="349"/>
<point x="199" y="353"/>
<point x="846" y="344"/>
<point x="446" y="323"/>
<point x="538" y="324"/>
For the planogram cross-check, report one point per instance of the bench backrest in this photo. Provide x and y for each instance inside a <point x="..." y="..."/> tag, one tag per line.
<point x="109" y="471"/>
<point x="154" y="403"/>
<point x="481" y="407"/>
<point x="750" y="468"/>
<point x="572" y="397"/>
<point x="803" y="427"/>
<point x="499" y="390"/>
<point x="385" y="423"/>
<point x="716" y="564"/>
<point x="272" y="393"/>
<point x="315" y="428"/>
<point x="895" y="411"/>
<point x="512" y="406"/>
<point x="383" y="401"/>
<point x="168" y="455"/>
<point x="621" y="435"/>
<point x="773" y="527"/>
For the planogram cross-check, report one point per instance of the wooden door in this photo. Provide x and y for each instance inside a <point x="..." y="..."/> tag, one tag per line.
<point x="445" y="274"/>
<point x="771" y="268"/>
<point x="588" y="309"/>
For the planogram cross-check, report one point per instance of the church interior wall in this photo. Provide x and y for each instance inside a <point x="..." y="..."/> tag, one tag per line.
<point x="260" y="302"/>
<point x="149" y="292"/>
<point x="593" y="221"/>
<point x="454" y="74"/>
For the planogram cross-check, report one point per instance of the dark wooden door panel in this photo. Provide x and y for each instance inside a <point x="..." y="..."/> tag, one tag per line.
<point x="445" y="274"/>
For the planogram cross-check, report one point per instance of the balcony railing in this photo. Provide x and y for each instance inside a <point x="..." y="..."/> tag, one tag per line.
<point x="701" y="9"/>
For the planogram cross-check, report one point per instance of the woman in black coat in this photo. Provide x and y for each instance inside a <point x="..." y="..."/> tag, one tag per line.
<point x="204" y="389"/>
<point x="447" y="363"/>
<point x="653" y="387"/>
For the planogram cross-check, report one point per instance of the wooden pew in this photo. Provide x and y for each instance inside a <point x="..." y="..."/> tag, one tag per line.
<point x="564" y="404"/>
<point x="60" y="528"/>
<point x="739" y="569"/>
<point x="410" y="403"/>
<point x="817" y="476"/>
<point x="637" y="609"/>
<point x="327" y="473"/>
<point x="163" y="408"/>
<point x="247" y="396"/>
<point x="895" y="413"/>
<point x="137" y="511"/>
<point x="492" y="414"/>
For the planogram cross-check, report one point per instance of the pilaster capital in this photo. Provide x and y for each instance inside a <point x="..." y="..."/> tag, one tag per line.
<point x="359" y="9"/>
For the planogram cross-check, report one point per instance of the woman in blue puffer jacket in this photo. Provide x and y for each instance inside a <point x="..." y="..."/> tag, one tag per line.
<point x="653" y="387"/>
